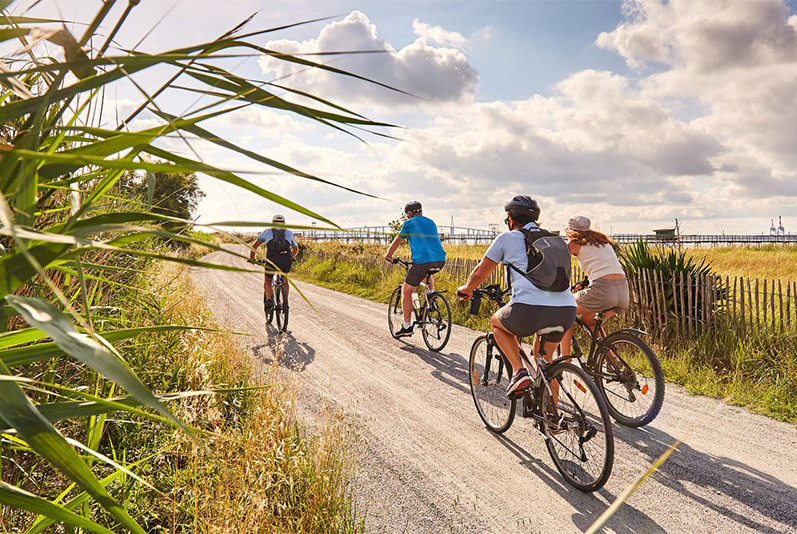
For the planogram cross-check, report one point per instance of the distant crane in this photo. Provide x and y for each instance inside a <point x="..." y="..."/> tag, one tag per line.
<point x="781" y="229"/>
<point x="451" y="230"/>
<point x="772" y="230"/>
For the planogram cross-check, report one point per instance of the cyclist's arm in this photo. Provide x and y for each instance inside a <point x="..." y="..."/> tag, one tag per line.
<point x="393" y="246"/>
<point x="480" y="273"/>
<point x="253" y="248"/>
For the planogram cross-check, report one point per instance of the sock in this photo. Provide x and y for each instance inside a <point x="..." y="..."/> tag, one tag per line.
<point x="407" y="325"/>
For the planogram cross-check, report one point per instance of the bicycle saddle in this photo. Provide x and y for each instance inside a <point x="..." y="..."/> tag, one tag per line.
<point x="549" y="330"/>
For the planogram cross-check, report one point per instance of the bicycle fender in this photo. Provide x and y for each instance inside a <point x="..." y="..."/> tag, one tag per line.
<point x="633" y="331"/>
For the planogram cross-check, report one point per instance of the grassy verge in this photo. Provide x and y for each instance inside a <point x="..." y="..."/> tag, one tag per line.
<point x="755" y="370"/>
<point x="254" y="468"/>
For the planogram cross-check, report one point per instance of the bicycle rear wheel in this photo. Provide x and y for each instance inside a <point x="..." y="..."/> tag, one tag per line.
<point x="489" y="374"/>
<point x="629" y="376"/>
<point x="269" y="311"/>
<point x="437" y="325"/>
<point x="281" y="307"/>
<point x="578" y="430"/>
<point x="395" y="313"/>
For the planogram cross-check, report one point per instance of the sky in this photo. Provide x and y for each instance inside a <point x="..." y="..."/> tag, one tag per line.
<point x="632" y="113"/>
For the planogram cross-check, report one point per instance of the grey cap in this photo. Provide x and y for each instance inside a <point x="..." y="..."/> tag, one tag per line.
<point x="578" y="223"/>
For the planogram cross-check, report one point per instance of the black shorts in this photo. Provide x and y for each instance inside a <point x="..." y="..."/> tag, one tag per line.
<point x="524" y="320"/>
<point x="418" y="271"/>
<point x="282" y="261"/>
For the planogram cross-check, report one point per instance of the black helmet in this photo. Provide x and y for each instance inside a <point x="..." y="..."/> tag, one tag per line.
<point x="413" y="206"/>
<point x="523" y="205"/>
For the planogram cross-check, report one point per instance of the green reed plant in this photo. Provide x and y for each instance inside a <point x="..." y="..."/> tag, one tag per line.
<point x="59" y="208"/>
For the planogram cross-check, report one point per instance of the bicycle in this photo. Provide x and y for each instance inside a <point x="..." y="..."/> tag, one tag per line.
<point x="563" y="402"/>
<point x="625" y="369"/>
<point x="279" y="308"/>
<point x="430" y="308"/>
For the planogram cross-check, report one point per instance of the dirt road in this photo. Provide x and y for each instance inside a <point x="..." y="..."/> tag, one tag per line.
<point x="428" y="465"/>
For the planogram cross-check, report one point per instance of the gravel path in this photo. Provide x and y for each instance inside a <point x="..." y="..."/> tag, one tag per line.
<point x="428" y="465"/>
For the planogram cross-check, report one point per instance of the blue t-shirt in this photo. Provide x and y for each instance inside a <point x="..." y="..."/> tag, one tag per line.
<point x="268" y="234"/>
<point x="424" y="240"/>
<point x="510" y="247"/>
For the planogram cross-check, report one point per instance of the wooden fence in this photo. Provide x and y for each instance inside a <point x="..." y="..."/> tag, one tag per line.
<point x="686" y="304"/>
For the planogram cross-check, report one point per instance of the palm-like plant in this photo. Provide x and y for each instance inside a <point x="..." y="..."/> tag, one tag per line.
<point x="58" y="173"/>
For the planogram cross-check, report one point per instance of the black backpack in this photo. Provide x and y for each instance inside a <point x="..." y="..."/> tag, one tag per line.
<point x="548" y="260"/>
<point x="278" y="244"/>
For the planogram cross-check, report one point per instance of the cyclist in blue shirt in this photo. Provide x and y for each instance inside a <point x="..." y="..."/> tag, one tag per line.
<point x="281" y="249"/>
<point x="427" y="254"/>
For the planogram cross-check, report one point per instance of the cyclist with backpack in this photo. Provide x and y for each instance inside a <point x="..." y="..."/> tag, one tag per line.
<point x="427" y="254"/>
<point x="281" y="249"/>
<point x="538" y="271"/>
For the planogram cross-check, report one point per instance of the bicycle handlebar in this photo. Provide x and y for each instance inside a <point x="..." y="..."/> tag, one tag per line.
<point x="399" y="261"/>
<point x="583" y="283"/>
<point x="492" y="292"/>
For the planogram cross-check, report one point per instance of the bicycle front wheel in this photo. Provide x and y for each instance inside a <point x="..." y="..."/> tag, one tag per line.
<point x="281" y="307"/>
<point x="577" y="428"/>
<point x="395" y="313"/>
<point x="489" y="374"/>
<point x="629" y="376"/>
<point x="437" y="325"/>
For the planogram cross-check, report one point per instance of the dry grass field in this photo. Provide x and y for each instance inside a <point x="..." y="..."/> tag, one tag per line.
<point x="771" y="261"/>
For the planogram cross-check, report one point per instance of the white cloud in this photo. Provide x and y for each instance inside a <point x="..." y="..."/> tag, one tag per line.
<point x="739" y="59"/>
<point x="439" y="35"/>
<point x="434" y="74"/>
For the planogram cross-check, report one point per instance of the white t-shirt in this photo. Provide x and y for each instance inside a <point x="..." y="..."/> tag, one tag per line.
<point x="598" y="261"/>
<point x="510" y="247"/>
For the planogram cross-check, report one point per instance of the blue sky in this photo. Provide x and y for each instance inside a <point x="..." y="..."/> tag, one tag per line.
<point x="632" y="113"/>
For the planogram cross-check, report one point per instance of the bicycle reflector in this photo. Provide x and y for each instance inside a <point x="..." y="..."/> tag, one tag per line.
<point x="475" y="303"/>
<point x="644" y="389"/>
<point x="580" y="386"/>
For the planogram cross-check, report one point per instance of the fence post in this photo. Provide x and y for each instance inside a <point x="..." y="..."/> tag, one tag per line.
<point x="788" y="305"/>
<point x="741" y="303"/>
<point x="757" y="316"/>
<point x="689" y="301"/>
<point x="764" y="303"/>
<point x="665" y="310"/>
<point x="735" y="280"/>
<point x="780" y="302"/>
<point x="682" y="316"/>
<point x="654" y="305"/>
<point x="772" y="303"/>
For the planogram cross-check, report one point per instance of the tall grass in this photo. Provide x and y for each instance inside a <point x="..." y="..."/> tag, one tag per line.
<point x="64" y="361"/>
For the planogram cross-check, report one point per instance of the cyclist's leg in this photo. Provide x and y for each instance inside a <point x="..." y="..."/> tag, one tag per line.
<point x="406" y="302"/>
<point x="267" y="289"/>
<point x="415" y="275"/>
<point x="507" y="341"/>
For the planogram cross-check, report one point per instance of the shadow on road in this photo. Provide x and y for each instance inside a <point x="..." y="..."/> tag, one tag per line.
<point x="587" y="506"/>
<point x="285" y="349"/>
<point x="451" y="369"/>
<point x="688" y="469"/>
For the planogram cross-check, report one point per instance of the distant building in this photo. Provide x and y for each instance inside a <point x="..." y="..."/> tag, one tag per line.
<point x="665" y="234"/>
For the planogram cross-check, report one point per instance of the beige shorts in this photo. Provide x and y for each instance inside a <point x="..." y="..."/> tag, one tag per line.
<point x="603" y="294"/>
